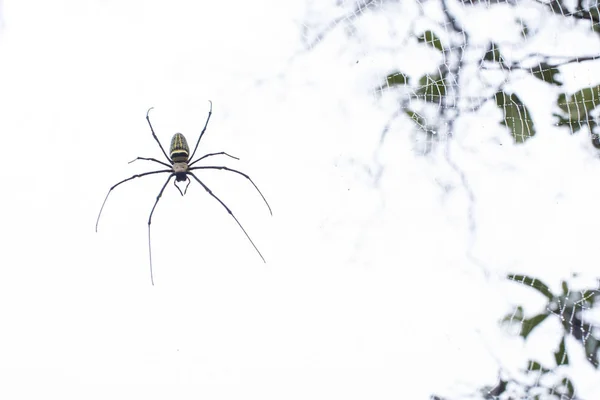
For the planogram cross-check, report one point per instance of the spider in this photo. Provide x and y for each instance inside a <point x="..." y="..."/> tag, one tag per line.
<point x="181" y="166"/>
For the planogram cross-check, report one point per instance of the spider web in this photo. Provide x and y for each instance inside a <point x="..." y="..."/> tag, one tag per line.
<point x="500" y="100"/>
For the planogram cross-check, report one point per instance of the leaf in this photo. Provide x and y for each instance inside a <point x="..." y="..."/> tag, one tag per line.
<point x="595" y="136"/>
<point x="568" y="385"/>
<point x="493" y="53"/>
<point x="530" y="324"/>
<point x="432" y="88"/>
<point x="417" y="118"/>
<point x="592" y="346"/>
<point x="396" y="78"/>
<point x="563" y="389"/>
<point x="516" y="116"/>
<point x="590" y="296"/>
<point x="536" y="366"/>
<point x="534" y="283"/>
<point x="573" y="126"/>
<point x="560" y="355"/>
<point x="497" y="390"/>
<point x="547" y="73"/>
<point x="420" y="121"/>
<point x="517" y="315"/>
<point x="430" y="38"/>
<point x="579" y="104"/>
<point x="565" y="288"/>
<point x="561" y="102"/>
<point x="576" y="110"/>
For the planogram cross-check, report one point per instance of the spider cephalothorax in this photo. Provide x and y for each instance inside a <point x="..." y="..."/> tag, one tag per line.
<point x="180" y="166"/>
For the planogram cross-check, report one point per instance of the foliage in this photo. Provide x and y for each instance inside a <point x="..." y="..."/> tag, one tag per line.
<point x="575" y="110"/>
<point x="568" y="308"/>
<point x="548" y="382"/>
<point x="434" y="100"/>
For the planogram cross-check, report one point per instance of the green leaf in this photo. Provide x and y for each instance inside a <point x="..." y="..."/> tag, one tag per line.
<point x="493" y="53"/>
<point x="573" y="126"/>
<point x="589" y="296"/>
<point x="560" y="355"/>
<point x="595" y="136"/>
<point x="561" y="101"/>
<point x="516" y="116"/>
<point x="417" y="118"/>
<point x="565" y="288"/>
<point x="534" y="283"/>
<point x="396" y="78"/>
<point x="431" y="39"/>
<point x="530" y="324"/>
<point x="579" y="104"/>
<point x="516" y="315"/>
<point x="547" y="73"/>
<point x="568" y="385"/>
<point x="536" y="366"/>
<point x="420" y="121"/>
<point x="432" y="88"/>
<point x="592" y="346"/>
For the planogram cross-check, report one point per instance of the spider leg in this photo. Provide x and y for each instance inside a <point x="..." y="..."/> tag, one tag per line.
<point x="203" y="130"/>
<point x="188" y="184"/>
<point x="150" y="159"/>
<point x="150" y="221"/>
<point x="213" y="154"/>
<point x="153" y="134"/>
<point x="123" y="181"/>
<point x="239" y="173"/>
<point x="229" y="211"/>
<point x="175" y="184"/>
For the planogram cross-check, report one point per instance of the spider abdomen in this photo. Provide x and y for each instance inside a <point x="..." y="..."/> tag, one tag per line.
<point x="180" y="151"/>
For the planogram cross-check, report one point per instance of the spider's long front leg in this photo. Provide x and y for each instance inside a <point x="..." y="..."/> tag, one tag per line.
<point x="229" y="211"/>
<point x="203" y="130"/>
<point x="150" y="221"/>
<point x="239" y="173"/>
<point x="123" y="181"/>
<point x="154" y="135"/>
<point x="212" y="154"/>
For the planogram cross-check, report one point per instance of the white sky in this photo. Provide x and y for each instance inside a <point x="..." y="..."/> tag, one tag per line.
<point x="368" y="290"/>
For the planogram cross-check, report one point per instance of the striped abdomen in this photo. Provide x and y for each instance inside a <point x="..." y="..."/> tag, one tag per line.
<point x="180" y="151"/>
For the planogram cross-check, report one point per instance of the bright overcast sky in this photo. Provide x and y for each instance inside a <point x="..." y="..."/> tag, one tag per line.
<point x="370" y="290"/>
